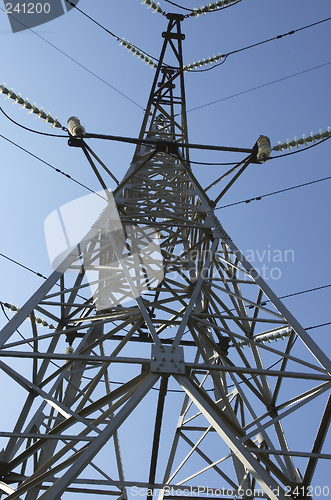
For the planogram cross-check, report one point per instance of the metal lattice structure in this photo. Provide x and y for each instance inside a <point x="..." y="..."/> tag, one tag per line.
<point x="175" y="307"/>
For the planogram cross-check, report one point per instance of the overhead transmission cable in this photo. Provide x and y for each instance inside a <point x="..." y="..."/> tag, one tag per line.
<point x="150" y="60"/>
<point x="22" y="265"/>
<point x="175" y="4"/>
<point x="30" y="129"/>
<point x="274" y="192"/>
<point x="76" y="62"/>
<point x="321" y="136"/>
<point x="221" y="57"/>
<point x="136" y="50"/>
<point x="133" y="48"/>
<point x="318" y="326"/>
<point x="51" y="166"/>
<point x="258" y="87"/>
<point x="213" y="163"/>
<point x="42" y="322"/>
<point x="40" y="113"/>
<point x="304" y="291"/>
<point x="214" y="7"/>
<point x="133" y="140"/>
<point x="31" y="271"/>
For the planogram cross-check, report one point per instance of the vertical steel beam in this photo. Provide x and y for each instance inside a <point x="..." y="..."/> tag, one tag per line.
<point x="157" y="432"/>
<point x="319" y="441"/>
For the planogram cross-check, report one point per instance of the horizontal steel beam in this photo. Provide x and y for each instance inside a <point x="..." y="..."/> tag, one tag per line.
<point x="290" y="453"/>
<point x="30" y="435"/>
<point x="146" y="361"/>
<point x="157" y="143"/>
<point x="257" y="371"/>
<point x="73" y="357"/>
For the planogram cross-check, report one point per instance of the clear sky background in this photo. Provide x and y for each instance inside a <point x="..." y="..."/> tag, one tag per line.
<point x="70" y="66"/>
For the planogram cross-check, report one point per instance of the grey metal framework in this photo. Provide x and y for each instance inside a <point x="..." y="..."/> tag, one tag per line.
<point x="197" y="323"/>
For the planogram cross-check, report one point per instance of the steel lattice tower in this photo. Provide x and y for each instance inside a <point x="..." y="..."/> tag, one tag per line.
<point x="176" y="306"/>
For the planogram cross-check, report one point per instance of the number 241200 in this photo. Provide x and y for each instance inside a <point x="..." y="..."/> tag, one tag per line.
<point x="31" y="8"/>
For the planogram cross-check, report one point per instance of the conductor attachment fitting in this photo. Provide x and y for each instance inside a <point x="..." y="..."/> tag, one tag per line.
<point x="263" y="148"/>
<point x="74" y="126"/>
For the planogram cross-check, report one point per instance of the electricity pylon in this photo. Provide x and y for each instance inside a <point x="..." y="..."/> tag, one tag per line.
<point x="176" y="308"/>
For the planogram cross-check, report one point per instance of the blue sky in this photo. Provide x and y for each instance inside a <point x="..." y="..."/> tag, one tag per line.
<point x="41" y="66"/>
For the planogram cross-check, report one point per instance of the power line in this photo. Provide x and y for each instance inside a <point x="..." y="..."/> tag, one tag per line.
<point x="292" y="295"/>
<point x="67" y="175"/>
<point x="76" y="62"/>
<point x="242" y="381"/>
<point x="215" y="7"/>
<point x="30" y="129"/>
<point x="4" y="304"/>
<point x="31" y="271"/>
<point x="49" y="165"/>
<point x="280" y="147"/>
<point x="258" y="87"/>
<point x="282" y="297"/>
<point x="318" y="326"/>
<point x="220" y="57"/>
<point x="275" y="192"/>
<point x="304" y="291"/>
<point x="141" y="141"/>
<point x="205" y="163"/>
<point x="93" y="20"/>
<point x="22" y="265"/>
<point x="179" y="6"/>
<point x="198" y="163"/>
<point x="138" y="51"/>
<point x="258" y="198"/>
